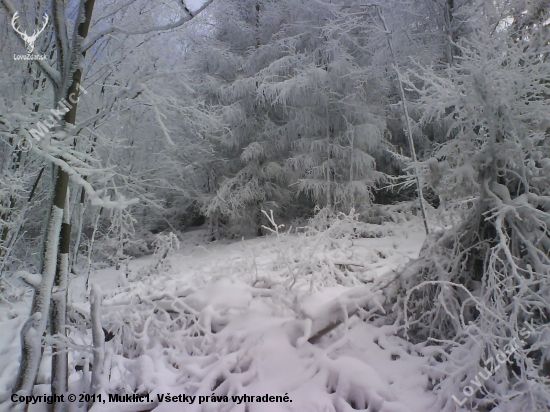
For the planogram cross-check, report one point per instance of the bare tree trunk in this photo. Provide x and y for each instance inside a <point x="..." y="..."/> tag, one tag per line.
<point x="58" y="314"/>
<point x="328" y="176"/>
<point x="91" y="247"/>
<point x="81" y="208"/>
<point x="60" y="361"/>
<point x="82" y="203"/>
<point x="35" y="327"/>
<point x="407" y="119"/>
<point x="449" y="16"/>
<point x="98" y="338"/>
<point x="59" y="305"/>
<point x="259" y="220"/>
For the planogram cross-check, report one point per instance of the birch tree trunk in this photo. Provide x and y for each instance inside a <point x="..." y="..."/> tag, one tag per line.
<point x="60" y="362"/>
<point x="58" y="314"/>
<point x="34" y="328"/>
<point x="57" y="238"/>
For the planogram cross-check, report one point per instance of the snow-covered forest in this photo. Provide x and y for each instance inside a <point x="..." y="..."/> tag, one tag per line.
<point x="275" y="205"/>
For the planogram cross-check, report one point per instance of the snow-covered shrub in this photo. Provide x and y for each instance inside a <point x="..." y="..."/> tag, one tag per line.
<point x="477" y="285"/>
<point x="163" y="245"/>
<point x="328" y="251"/>
<point x="348" y="225"/>
<point x="229" y="338"/>
<point x="13" y="288"/>
<point x="115" y="235"/>
<point x="397" y="213"/>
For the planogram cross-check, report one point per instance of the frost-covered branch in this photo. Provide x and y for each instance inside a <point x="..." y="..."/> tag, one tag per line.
<point x="187" y="16"/>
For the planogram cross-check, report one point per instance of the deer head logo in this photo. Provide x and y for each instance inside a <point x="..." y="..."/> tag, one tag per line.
<point x="29" y="40"/>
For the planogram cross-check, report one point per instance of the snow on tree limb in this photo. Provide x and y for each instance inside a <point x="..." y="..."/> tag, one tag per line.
<point x="165" y="27"/>
<point x="158" y="115"/>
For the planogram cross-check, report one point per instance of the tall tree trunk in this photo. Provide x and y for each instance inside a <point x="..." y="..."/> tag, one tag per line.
<point x="407" y="119"/>
<point x="57" y="240"/>
<point x="329" y="156"/>
<point x="91" y="248"/>
<point x="58" y="314"/>
<point x="259" y="220"/>
<point x="81" y="207"/>
<point x="451" y="50"/>
<point x="98" y="340"/>
<point x="60" y="360"/>
<point x="34" y="328"/>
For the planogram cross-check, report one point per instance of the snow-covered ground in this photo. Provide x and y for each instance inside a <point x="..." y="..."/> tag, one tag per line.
<point x="247" y="318"/>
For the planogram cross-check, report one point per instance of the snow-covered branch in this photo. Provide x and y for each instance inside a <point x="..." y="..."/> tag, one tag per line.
<point x="187" y="16"/>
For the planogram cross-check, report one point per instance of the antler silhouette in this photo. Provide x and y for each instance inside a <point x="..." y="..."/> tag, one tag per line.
<point x="29" y="40"/>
